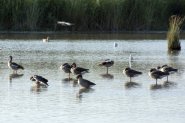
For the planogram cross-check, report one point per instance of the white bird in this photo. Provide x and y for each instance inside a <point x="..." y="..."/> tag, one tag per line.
<point x="14" y="66"/>
<point x="115" y="44"/>
<point x="46" y="39"/>
<point x="131" y="58"/>
<point x="130" y="61"/>
<point x="63" y="23"/>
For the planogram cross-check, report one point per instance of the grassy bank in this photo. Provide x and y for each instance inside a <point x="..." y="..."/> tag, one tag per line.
<point x="88" y="15"/>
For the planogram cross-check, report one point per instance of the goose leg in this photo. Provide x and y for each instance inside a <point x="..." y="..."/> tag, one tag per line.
<point x="107" y="70"/>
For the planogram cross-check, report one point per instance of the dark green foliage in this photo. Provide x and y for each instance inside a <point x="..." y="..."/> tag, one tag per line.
<point x="88" y="15"/>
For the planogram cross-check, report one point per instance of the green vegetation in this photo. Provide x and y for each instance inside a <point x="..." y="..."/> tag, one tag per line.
<point x="88" y="15"/>
<point x="175" y="23"/>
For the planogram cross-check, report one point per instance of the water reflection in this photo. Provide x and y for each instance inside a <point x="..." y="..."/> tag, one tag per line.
<point x="169" y="84"/>
<point x="45" y="59"/>
<point x="156" y="86"/>
<point x="129" y="85"/>
<point x="67" y="80"/>
<point x="83" y="90"/>
<point x="173" y="52"/>
<point x="14" y="76"/>
<point x="72" y="81"/>
<point x="107" y="76"/>
<point x="38" y="88"/>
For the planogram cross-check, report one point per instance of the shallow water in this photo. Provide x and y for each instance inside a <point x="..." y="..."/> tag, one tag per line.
<point x="109" y="101"/>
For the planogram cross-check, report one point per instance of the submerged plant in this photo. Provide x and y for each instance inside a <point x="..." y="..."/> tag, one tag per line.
<point x="175" y="23"/>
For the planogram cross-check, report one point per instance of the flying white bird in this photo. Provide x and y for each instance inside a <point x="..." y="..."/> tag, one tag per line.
<point x="63" y="23"/>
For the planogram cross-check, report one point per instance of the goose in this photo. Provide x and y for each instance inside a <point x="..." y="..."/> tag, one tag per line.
<point x="63" y="23"/>
<point x="46" y="39"/>
<point x="78" y="70"/>
<point x="157" y="74"/>
<point x="168" y="69"/>
<point x="107" y="63"/>
<point x="66" y="68"/>
<point x="83" y="82"/>
<point x="131" y="72"/>
<point x="39" y="80"/>
<point x="14" y="66"/>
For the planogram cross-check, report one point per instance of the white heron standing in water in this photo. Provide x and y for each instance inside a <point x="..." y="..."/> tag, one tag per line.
<point x="130" y="60"/>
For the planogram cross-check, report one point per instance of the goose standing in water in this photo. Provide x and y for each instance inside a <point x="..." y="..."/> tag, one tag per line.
<point x="66" y="68"/>
<point x="84" y="83"/>
<point x="157" y="74"/>
<point x="40" y="81"/>
<point x="168" y="69"/>
<point x="46" y="39"/>
<point x="107" y="63"/>
<point x="131" y="73"/>
<point x="78" y="70"/>
<point x="14" y="66"/>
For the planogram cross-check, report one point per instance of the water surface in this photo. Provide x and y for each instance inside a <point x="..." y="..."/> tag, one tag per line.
<point x="109" y="101"/>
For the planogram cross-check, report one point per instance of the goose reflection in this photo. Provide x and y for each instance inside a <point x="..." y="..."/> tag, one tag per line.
<point x="156" y="86"/>
<point x="107" y="76"/>
<point x="66" y="80"/>
<point x="72" y="81"/>
<point x="169" y="84"/>
<point x="15" y="76"/>
<point x="38" y="88"/>
<point x="84" y="90"/>
<point x="129" y="85"/>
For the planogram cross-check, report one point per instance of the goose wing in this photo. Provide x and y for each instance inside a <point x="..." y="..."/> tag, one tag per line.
<point x="159" y="74"/>
<point x="15" y="65"/>
<point x="86" y="83"/>
<point x="80" y="69"/>
<point x="41" y="79"/>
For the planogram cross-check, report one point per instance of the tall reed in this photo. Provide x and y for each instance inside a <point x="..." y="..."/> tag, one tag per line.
<point x="88" y="15"/>
<point x="175" y="23"/>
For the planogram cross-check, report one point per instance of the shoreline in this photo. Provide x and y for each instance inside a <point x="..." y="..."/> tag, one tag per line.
<point x="105" y="35"/>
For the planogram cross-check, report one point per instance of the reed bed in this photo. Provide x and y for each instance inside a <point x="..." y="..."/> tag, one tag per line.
<point x="173" y="35"/>
<point x="88" y="15"/>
